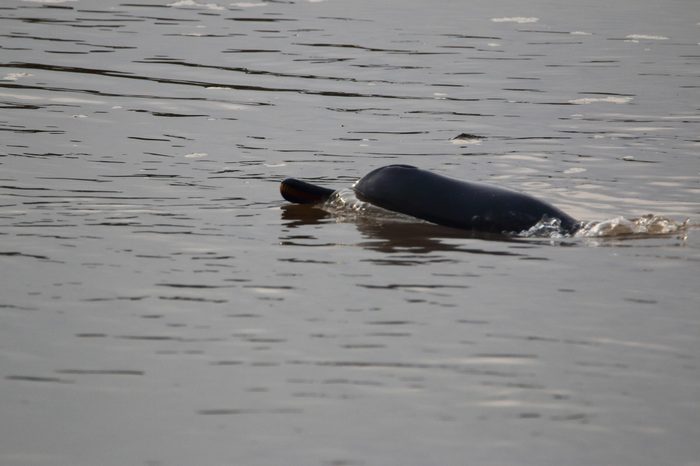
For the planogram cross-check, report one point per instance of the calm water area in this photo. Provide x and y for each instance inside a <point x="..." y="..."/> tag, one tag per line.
<point x="161" y="304"/>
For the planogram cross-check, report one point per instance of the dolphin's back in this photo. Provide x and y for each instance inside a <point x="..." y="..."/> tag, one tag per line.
<point x="455" y="203"/>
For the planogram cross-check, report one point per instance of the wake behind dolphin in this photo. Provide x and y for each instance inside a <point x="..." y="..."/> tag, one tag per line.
<point x="476" y="207"/>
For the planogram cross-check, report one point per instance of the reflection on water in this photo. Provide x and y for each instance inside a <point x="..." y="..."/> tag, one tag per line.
<point x="295" y="215"/>
<point x="157" y="294"/>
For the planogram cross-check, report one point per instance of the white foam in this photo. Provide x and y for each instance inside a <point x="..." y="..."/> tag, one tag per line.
<point x="619" y="226"/>
<point x="609" y="100"/>
<point x="645" y="37"/>
<point x="196" y="155"/>
<point x="193" y="4"/>
<point x="516" y="19"/>
<point x="15" y="76"/>
<point x="466" y="141"/>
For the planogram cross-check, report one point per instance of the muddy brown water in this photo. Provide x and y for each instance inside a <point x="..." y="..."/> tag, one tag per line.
<point x="160" y="304"/>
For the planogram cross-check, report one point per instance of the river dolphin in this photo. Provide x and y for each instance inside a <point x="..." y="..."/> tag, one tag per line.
<point x="467" y="205"/>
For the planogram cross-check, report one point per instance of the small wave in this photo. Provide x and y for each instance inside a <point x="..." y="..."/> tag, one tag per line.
<point x="193" y="4"/>
<point x="516" y="19"/>
<point x="618" y="227"/>
<point x="646" y="225"/>
<point x="610" y="99"/>
<point x="545" y="228"/>
<point x="466" y="139"/>
<point x="645" y="37"/>
<point x="49" y="1"/>
<point x="344" y="200"/>
<point x="15" y="76"/>
<point x="249" y="4"/>
<point x="345" y="206"/>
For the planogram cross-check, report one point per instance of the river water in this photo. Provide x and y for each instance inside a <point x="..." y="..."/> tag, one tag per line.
<point x="160" y="304"/>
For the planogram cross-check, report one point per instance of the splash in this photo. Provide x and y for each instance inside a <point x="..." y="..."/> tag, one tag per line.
<point x="545" y="228"/>
<point x="345" y="206"/>
<point x="644" y="226"/>
<point x="619" y="227"/>
<point x="344" y="200"/>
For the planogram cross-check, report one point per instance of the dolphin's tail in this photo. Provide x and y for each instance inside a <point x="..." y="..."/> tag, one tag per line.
<point x="301" y="192"/>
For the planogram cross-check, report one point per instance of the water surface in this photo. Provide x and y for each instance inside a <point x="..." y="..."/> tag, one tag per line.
<point x="161" y="305"/>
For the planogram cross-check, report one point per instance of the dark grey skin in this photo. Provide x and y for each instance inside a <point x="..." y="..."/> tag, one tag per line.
<point x="438" y="199"/>
<point x="454" y="203"/>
